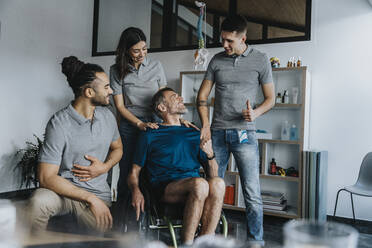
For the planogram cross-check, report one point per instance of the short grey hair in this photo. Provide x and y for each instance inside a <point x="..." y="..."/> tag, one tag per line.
<point x="158" y="98"/>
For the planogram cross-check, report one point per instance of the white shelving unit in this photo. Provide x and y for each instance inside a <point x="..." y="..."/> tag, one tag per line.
<point x="287" y="153"/>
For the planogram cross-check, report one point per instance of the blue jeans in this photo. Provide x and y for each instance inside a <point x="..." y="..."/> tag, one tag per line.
<point x="226" y="141"/>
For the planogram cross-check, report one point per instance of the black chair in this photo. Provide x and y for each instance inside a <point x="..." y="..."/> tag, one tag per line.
<point x="159" y="215"/>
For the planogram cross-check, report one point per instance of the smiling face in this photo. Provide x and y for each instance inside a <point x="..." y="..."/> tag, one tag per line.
<point x="233" y="42"/>
<point x="102" y="89"/>
<point x="173" y="103"/>
<point x="138" y="52"/>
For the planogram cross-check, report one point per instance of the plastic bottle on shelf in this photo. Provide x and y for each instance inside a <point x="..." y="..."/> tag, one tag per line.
<point x="299" y="62"/>
<point x="285" y="131"/>
<point x="293" y="133"/>
<point x="272" y="170"/>
<point x="278" y="98"/>
<point x="285" y="97"/>
<point x="294" y="95"/>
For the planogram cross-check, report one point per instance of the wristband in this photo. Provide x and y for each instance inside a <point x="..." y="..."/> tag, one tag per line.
<point x="211" y="158"/>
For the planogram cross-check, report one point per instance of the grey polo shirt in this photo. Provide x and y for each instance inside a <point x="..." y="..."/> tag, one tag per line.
<point x="69" y="136"/>
<point x="236" y="79"/>
<point x="139" y="86"/>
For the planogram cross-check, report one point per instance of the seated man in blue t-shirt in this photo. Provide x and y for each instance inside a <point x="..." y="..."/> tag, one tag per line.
<point x="173" y="155"/>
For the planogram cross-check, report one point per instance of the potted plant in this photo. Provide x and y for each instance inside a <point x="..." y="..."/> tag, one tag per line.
<point x="29" y="162"/>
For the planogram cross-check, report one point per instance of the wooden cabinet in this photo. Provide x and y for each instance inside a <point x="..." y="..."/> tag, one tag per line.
<point x="287" y="153"/>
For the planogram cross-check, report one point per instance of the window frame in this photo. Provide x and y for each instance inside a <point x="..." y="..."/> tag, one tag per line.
<point x="168" y="6"/>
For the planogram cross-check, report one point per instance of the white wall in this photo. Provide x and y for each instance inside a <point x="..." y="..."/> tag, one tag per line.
<point x="35" y="36"/>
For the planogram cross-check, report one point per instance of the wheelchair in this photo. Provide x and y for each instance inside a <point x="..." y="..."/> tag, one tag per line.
<point x="159" y="216"/>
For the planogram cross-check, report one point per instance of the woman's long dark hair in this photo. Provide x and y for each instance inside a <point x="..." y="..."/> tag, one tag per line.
<point x="79" y="73"/>
<point x="129" y="37"/>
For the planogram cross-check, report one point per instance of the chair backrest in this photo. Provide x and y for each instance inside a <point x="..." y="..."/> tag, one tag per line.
<point x="365" y="172"/>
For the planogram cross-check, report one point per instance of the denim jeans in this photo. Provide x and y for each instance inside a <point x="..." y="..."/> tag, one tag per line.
<point x="226" y="141"/>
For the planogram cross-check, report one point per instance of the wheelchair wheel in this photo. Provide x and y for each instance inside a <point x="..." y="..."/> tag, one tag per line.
<point x="222" y="227"/>
<point x="141" y="227"/>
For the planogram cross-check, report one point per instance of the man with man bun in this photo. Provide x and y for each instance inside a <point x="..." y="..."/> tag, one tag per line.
<point x="81" y="145"/>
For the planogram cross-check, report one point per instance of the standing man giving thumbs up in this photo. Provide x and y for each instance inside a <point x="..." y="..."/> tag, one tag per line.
<point x="237" y="74"/>
<point x="249" y="113"/>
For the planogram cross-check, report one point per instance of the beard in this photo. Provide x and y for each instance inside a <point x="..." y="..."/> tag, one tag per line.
<point x="179" y="110"/>
<point x="182" y="111"/>
<point x="176" y="109"/>
<point x="100" y="101"/>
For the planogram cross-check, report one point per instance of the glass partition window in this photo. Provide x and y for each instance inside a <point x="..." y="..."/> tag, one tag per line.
<point x="113" y="16"/>
<point x="274" y="19"/>
<point x="172" y="24"/>
<point x="181" y="29"/>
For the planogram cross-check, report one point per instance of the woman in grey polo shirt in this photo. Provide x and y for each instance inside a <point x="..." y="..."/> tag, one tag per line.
<point x="134" y="78"/>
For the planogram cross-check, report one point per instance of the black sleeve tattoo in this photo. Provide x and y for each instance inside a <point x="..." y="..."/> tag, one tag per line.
<point x="201" y="103"/>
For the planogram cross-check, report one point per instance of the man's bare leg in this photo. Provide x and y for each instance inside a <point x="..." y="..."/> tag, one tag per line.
<point x="193" y="191"/>
<point x="213" y="205"/>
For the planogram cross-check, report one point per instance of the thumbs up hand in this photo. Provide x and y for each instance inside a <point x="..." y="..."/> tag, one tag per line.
<point x="249" y="113"/>
<point x="248" y="104"/>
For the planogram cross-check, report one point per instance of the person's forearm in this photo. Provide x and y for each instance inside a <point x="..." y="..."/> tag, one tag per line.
<point x="202" y="102"/>
<point x="124" y="112"/>
<point x="113" y="158"/>
<point x="133" y="180"/>
<point x="268" y="91"/>
<point x="65" y="188"/>
<point x="265" y="106"/>
<point x="212" y="168"/>
<point x="203" y="114"/>
<point x="203" y="110"/>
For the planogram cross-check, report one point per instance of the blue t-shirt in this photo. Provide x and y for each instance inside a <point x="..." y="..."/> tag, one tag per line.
<point x="170" y="153"/>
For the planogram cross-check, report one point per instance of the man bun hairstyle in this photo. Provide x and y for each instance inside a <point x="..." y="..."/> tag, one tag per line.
<point x="236" y="23"/>
<point x="159" y="98"/>
<point x="79" y="73"/>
